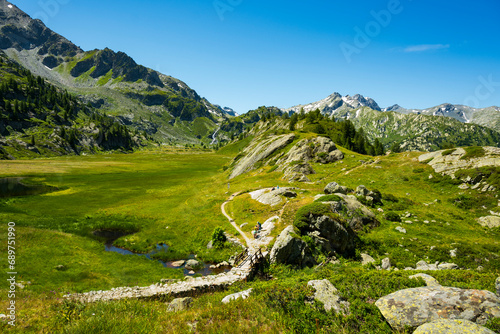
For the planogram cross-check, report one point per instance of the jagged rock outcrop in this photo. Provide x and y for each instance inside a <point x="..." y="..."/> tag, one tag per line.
<point x="417" y="306"/>
<point x="452" y="162"/>
<point x="334" y="187"/>
<point x="356" y="213"/>
<point x="318" y="149"/>
<point x="260" y="151"/>
<point x="290" y="249"/>
<point x="326" y="293"/>
<point x="452" y="327"/>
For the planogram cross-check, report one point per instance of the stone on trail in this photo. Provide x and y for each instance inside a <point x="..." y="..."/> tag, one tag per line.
<point x="243" y="295"/>
<point x="417" y="306"/>
<point x="452" y="327"/>
<point x="327" y="294"/>
<point x="180" y="304"/>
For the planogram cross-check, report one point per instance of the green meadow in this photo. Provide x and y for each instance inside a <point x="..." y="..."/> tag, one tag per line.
<point x="174" y="197"/>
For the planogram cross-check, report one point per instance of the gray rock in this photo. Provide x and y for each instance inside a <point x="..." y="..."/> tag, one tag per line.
<point x="361" y="191"/>
<point x="327" y="294"/>
<point x="330" y="234"/>
<point x="319" y="149"/>
<point x="422" y="265"/>
<point x="289" y="194"/>
<point x="386" y="264"/>
<point x="243" y="225"/>
<point x="180" y="304"/>
<point x="428" y="279"/>
<point x="358" y="215"/>
<point x="210" y="244"/>
<point x="366" y="259"/>
<point x="449" y="326"/>
<point x="290" y="250"/>
<point x="497" y="286"/>
<point x="192" y="264"/>
<point x="463" y="186"/>
<point x="453" y="252"/>
<point x="417" y="306"/>
<point x="401" y="229"/>
<point x="447" y="266"/>
<point x="489" y="221"/>
<point x="179" y="263"/>
<point x="334" y="187"/>
<point x="243" y="295"/>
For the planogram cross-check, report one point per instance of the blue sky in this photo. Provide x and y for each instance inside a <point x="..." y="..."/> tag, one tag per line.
<point x="244" y="54"/>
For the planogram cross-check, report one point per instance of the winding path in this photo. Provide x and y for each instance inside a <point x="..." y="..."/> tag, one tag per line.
<point x="231" y="220"/>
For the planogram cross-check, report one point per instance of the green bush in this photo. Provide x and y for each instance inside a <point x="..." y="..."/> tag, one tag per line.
<point x="218" y="238"/>
<point x="390" y="198"/>
<point x="329" y="198"/>
<point x="392" y="216"/>
<point x="302" y="217"/>
<point x="473" y="152"/>
<point x="448" y="152"/>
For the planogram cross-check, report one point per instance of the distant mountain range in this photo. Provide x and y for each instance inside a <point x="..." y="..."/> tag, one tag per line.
<point x="164" y="107"/>
<point x="338" y="106"/>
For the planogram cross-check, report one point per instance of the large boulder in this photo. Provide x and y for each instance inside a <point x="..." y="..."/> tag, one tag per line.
<point x="331" y="233"/>
<point x="327" y="294"/>
<point x="452" y="327"/>
<point x="417" y="306"/>
<point x="356" y="213"/>
<point x="334" y="187"/>
<point x="318" y="149"/>
<point x="289" y="249"/>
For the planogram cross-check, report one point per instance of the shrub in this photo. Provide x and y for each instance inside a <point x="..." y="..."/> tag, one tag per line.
<point x="448" y="152"/>
<point x="473" y="152"/>
<point x="218" y="238"/>
<point x="390" y="198"/>
<point x="302" y="217"/>
<point x="329" y="198"/>
<point x="392" y="216"/>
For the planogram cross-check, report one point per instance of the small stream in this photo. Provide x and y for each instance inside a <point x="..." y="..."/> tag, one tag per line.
<point x="13" y="186"/>
<point x="205" y="269"/>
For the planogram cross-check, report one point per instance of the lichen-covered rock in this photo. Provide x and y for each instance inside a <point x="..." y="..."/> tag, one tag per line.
<point x="243" y="295"/>
<point x="386" y="264"/>
<point x="259" y="152"/>
<point x="334" y="187"/>
<point x="489" y="221"/>
<point x="318" y="149"/>
<point x="289" y="249"/>
<point x="428" y="279"/>
<point x="447" y="326"/>
<point x="497" y="286"/>
<point x="330" y="234"/>
<point x="358" y="215"/>
<point x="192" y="264"/>
<point x="180" y="304"/>
<point x="366" y="259"/>
<point x="417" y="306"/>
<point x="327" y="294"/>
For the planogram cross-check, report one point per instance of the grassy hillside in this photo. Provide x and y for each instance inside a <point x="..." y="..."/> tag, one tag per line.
<point x="174" y="197"/>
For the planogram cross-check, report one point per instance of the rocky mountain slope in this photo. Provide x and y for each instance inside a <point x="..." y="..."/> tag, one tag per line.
<point x="37" y="118"/>
<point x="165" y="107"/>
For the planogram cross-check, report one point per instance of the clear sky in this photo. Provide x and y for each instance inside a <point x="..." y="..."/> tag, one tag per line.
<point x="244" y="54"/>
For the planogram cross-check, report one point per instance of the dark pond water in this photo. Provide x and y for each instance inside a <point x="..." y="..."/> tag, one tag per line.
<point x="14" y="186"/>
<point x="111" y="236"/>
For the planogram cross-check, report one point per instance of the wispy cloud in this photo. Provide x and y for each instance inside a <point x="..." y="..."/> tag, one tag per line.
<point x="426" y="47"/>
